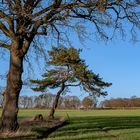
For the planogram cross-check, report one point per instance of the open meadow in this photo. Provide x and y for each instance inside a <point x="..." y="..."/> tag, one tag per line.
<point x="91" y="125"/>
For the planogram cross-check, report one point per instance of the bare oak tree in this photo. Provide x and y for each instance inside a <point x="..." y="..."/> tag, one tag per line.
<point x="21" y="21"/>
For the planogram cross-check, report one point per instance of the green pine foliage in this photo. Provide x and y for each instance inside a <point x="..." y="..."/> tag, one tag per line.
<point x="68" y="69"/>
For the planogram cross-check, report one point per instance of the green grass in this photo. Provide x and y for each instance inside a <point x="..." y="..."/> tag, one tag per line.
<point x="100" y="128"/>
<point x="100" y="125"/>
<point x="93" y="125"/>
<point x="25" y="113"/>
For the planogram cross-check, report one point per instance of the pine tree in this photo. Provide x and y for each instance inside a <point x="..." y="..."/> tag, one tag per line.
<point x="67" y="70"/>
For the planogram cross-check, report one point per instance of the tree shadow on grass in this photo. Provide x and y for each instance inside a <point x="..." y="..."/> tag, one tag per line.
<point x="43" y="128"/>
<point x="45" y="132"/>
<point x="90" y="124"/>
<point x="110" y="122"/>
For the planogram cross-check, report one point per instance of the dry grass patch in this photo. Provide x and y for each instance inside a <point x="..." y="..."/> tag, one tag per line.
<point x="33" y="128"/>
<point x="18" y="133"/>
<point x="49" y="123"/>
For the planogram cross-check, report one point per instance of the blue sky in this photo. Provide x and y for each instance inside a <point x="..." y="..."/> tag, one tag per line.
<point x="116" y="61"/>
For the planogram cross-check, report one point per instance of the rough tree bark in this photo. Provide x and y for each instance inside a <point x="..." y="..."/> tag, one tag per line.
<point x="55" y="103"/>
<point x="11" y="94"/>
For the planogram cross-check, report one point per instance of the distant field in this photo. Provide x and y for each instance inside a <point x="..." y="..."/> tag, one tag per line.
<point x="93" y="125"/>
<point x="25" y="113"/>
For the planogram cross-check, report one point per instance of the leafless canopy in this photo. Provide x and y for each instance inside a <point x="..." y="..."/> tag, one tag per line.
<point x="24" y="19"/>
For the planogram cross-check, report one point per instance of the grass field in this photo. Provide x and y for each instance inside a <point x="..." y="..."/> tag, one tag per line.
<point x="94" y="125"/>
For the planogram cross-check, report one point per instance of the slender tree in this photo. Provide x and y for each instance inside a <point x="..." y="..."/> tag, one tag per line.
<point x="23" y="21"/>
<point x="68" y="70"/>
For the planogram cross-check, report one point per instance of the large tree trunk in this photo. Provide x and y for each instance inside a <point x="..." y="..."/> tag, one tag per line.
<point x="55" y="103"/>
<point x="11" y="94"/>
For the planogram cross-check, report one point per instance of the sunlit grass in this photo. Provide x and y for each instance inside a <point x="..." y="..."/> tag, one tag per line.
<point x="24" y="113"/>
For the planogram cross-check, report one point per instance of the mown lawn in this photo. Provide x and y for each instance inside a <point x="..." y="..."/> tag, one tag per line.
<point x="94" y="125"/>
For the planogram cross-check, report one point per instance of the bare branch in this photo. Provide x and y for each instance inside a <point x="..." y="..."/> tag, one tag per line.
<point x="3" y="45"/>
<point x="5" y="30"/>
<point x="8" y="19"/>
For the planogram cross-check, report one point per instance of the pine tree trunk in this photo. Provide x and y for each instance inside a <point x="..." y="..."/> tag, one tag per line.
<point x="11" y="94"/>
<point x="55" y="103"/>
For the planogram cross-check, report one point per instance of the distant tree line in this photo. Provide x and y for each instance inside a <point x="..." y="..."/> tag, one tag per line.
<point x="122" y="103"/>
<point x="73" y="102"/>
<point x="46" y="101"/>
